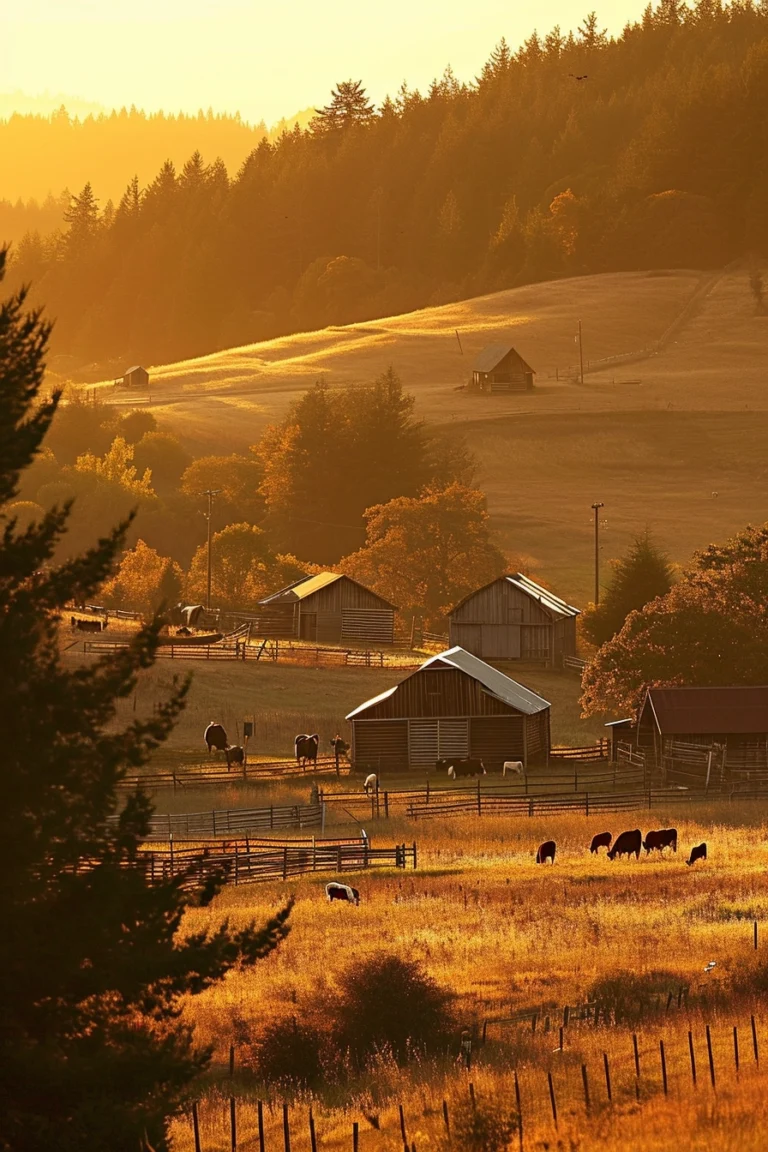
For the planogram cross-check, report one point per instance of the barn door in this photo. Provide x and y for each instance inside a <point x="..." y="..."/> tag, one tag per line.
<point x="501" y="641"/>
<point x="431" y="739"/>
<point x="453" y="738"/>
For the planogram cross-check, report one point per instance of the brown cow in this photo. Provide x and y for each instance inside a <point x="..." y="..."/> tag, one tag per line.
<point x="658" y="841"/>
<point x="697" y="853"/>
<point x="546" y="851"/>
<point x="626" y="844"/>
<point x="602" y="840"/>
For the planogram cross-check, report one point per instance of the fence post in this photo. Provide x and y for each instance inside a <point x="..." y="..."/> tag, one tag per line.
<point x="607" y="1067"/>
<point x="663" y="1066"/>
<point x="232" y="1124"/>
<point x="755" y="935"/>
<point x="446" y="1121"/>
<point x="260" y="1112"/>
<point x="355" y="1136"/>
<point x="711" y="1058"/>
<point x="402" y="1125"/>
<point x="386" y="805"/>
<point x="285" y="862"/>
<point x="519" y="1108"/>
<point x="693" y="1057"/>
<point x="552" y="1100"/>
<point x="479" y="801"/>
<point x="414" y="855"/>
<point x="312" y="1137"/>
<point x="586" y="1086"/>
<point x="754" y="1040"/>
<point x="286" y="1129"/>
<point x="196" y="1127"/>
<point x="736" y="1047"/>
<point x="231" y="1061"/>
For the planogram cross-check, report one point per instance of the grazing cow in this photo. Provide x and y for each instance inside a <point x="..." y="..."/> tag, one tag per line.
<point x="305" y="747"/>
<point x="371" y="783"/>
<point x="216" y="737"/>
<point x="234" y="754"/>
<point x="546" y="851"/>
<point x="697" y="853"/>
<point x="514" y="767"/>
<point x="87" y="625"/>
<point x="626" y="844"/>
<point x="336" y="891"/>
<point x="663" y="838"/>
<point x="340" y="747"/>
<point x="602" y="840"/>
<point x="186" y="614"/>
<point x="183" y="631"/>
<point x="463" y="766"/>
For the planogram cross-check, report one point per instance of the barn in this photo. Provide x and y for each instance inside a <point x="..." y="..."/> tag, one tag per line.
<point x="674" y="721"/>
<point x="514" y="618"/>
<point x="453" y="705"/>
<point x="136" y="377"/>
<point x="327" y="608"/>
<point x="499" y="368"/>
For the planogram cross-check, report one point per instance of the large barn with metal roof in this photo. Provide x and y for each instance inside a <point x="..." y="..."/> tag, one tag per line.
<point x="514" y="618"/>
<point x="327" y="608"/>
<point x="453" y="705"/>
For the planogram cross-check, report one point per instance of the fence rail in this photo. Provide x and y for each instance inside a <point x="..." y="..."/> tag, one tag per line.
<point x="256" y="770"/>
<point x="483" y="804"/>
<point x="269" y="651"/>
<point x="226" y="821"/>
<point x="598" y="751"/>
<point x="575" y="663"/>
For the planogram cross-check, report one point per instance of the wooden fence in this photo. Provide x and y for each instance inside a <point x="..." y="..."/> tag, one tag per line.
<point x="238" y="773"/>
<point x="586" y="803"/>
<point x="273" y="651"/>
<point x="574" y="663"/>
<point x="228" y="821"/>
<point x="601" y="750"/>
<point x="247" y="860"/>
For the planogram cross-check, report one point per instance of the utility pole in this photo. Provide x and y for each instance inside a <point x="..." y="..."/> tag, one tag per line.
<point x="581" y="364"/>
<point x="596" y="507"/>
<point x="210" y="493"/>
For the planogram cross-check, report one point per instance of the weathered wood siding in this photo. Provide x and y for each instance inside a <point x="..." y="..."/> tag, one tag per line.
<point x="502" y="622"/>
<point x="500" y="603"/>
<point x="344" y="593"/>
<point x="438" y="692"/>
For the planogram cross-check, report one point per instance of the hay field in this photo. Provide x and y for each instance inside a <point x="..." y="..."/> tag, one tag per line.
<point x="505" y="935"/>
<point x="653" y="438"/>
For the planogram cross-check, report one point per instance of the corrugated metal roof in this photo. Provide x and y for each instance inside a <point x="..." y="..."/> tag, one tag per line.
<point x="495" y="682"/>
<point x="308" y="585"/>
<point x="492" y="356"/>
<point x="546" y="598"/>
<point x="740" y="710"/>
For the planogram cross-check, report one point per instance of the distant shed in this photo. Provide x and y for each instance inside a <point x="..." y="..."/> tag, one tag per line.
<point x="327" y="608"/>
<point x="136" y="377"/>
<point x="514" y="618"/>
<point x="453" y="705"/>
<point x="499" y="368"/>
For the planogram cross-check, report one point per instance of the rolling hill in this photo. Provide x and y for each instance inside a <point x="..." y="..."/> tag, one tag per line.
<point x="668" y="429"/>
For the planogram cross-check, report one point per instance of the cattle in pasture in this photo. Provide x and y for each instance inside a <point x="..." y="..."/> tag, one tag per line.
<point x="340" y="747"/>
<point x="461" y="766"/>
<point x="546" y="851"/>
<point x="183" y="631"/>
<point x="661" y="839"/>
<point x="235" y="754"/>
<point x="627" y="843"/>
<point x="602" y="840"/>
<point x="697" y="853"/>
<point x="371" y="783"/>
<point x="336" y="891"/>
<point x="514" y="767"/>
<point x="216" y="737"/>
<point x="88" y="625"/>
<point x="305" y="748"/>
<point x="186" y="614"/>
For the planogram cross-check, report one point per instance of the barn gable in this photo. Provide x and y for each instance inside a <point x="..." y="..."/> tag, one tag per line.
<point x="328" y="607"/>
<point x="513" y="618"/>
<point x="499" y="368"/>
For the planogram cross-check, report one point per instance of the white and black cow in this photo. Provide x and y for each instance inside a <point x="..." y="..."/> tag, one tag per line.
<point x="336" y="891"/>
<point x="305" y="748"/>
<point x="216" y="737"/>
<point x="460" y="766"/>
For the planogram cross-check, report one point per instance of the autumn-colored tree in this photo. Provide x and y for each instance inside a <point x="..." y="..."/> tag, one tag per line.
<point x="425" y="553"/>
<point x="638" y="577"/>
<point x="711" y="628"/>
<point x="165" y="458"/>
<point x="237" y="479"/>
<point x="117" y="467"/>
<point x="236" y="551"/>
<point x="143" y="581"/>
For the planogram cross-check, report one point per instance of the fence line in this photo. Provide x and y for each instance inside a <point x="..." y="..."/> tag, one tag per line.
<point x="483" y="804"/>
<point x="239" y="773"/>
<point x="225" y="821"/>
<point x="269" y="651"/>
<point x="600" y="750"/>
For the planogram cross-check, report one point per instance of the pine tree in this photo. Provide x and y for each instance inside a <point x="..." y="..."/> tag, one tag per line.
<point x="349" y="105"/>
<point x="638" y="577"/>
<point x="93" y="1055"/>
<point x="83" y="219"/>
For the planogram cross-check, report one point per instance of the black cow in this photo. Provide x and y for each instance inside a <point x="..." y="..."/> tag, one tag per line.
<point x="235" y="754"/>
<point x="697" y="853"/>
<point x="661" y="839"/>
<point x="87" y="625"/>
<point x="626" y="844"/>
<point x="336" y="891"/>
<point x="546" y="851"/>
<point x="305" y="747"/>
<point x="216" y="737"/>
<point x="459" y="766"/>
<point x="602" y="840"/>
<point x="340" y="746"/>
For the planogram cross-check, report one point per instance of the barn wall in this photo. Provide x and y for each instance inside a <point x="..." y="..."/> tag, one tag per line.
<point x="379" y="744"/>
<point x="500" y="603"/>
<point x="334" y="598"/>
<point x="496" y="739"/>
<point x="439" y="692"/>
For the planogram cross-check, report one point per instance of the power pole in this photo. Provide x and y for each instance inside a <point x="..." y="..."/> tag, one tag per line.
<point x="596" y="507"/>
<point x="581" y="364"/>
<point x="210" y="493"/>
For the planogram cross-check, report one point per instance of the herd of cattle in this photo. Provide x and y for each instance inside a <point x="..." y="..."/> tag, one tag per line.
<point x="627" y="844"/>
<point x="305" y="746"/>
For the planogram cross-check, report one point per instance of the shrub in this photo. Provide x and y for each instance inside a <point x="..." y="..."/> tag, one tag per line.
<point x="484" y="1127"/>
<point x="387" y="1004"/>
<point x="632" y="995"/>
<point x="288" y="1052"/>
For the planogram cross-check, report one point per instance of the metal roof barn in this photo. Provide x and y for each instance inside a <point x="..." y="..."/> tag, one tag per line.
<point x="327" y="608"/>
<point x="499" y="368"/>
<point x="514" y="618"/>
<point x="453" y="705"/>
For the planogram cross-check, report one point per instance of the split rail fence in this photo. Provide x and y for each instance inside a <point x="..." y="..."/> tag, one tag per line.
<point x="242" y="773"/>
<point x="228" y="821"/>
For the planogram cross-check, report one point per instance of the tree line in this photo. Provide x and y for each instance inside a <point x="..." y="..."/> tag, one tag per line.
<point x="577" y="153"/>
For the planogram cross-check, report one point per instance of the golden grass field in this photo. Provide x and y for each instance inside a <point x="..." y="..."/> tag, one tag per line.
<point x="504" y="934"/>
<point x="655" y="439"/>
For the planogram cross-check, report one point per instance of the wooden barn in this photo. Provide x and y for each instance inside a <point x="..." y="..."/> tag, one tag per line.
<point x="136" y="377"/>
<point x="327" y="608"/>
<point x="499" y="368"/>
<point x="514" y="618"/>
<point x="736" y="718"/>
<point x="453" y="705"/>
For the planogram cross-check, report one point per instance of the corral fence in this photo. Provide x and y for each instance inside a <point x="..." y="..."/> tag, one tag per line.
<point x="716" y="767"/>
<point x="271" y="651"/>
<point x="243" y="773"/>
<point x="586" y="803"/>
<point x="228" y="821"/>
<point x="574" y="663"/>
<point x="247" y="860"/>
<point x="100" y="610"/>
<point x="601" y="750"/>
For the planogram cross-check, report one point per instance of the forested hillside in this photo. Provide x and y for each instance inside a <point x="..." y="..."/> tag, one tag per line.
<point x="577" y="153"/>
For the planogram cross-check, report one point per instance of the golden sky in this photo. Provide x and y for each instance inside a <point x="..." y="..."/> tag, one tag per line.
<point x="265" y="60"/>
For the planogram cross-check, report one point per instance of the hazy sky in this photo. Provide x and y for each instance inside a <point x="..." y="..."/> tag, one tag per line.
<point x="265" y="60"/>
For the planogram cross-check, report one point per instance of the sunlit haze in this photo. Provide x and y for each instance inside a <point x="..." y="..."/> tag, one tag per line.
<point x="263" y="60"/>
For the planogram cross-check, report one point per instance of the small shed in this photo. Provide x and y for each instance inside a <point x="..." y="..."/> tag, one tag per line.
<point x="734" y="717"/>
<point x="327" y="608"/>
<point x="136" y="377"/>
<point x="514" y="618"/>
<point x="453" y="705"/>
<point x="499" y="368"/>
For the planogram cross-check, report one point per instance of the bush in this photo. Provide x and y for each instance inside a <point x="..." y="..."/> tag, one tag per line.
<point x="631" y="995"/>
<point x="288" y="1052"/>
<point x="484" y="1127"/>
<point x="388" y="1005"/>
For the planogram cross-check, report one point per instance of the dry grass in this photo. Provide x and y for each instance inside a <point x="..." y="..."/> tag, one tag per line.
<point x="504" y="934"/>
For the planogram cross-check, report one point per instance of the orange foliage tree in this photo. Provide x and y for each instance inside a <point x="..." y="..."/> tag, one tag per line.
<point x="143" y="581"/>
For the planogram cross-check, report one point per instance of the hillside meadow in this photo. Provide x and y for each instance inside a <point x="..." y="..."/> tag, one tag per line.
<point x="506" y="935"/>
<point x="669" y="437"/>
